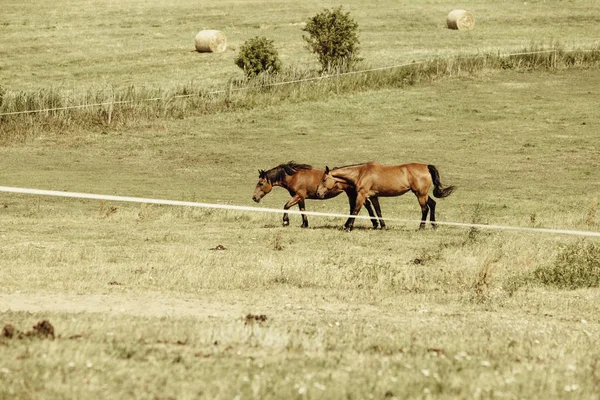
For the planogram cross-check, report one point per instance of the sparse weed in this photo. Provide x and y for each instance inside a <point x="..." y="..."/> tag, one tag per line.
<point x="576" y="266"/>
<point x="428" y="255"/>
<point x="515" y="282"/>
<point x="277" y="243"/>
<point x="591" y="217"/>
<point x="533" y="218"/>
<point x="106" y="209"/>
<point x="474" y="233"/>
<point x="481" y="283"/>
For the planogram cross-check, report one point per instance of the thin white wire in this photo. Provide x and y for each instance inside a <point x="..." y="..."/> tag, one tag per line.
<point x="278" y="211"/>
<point x="261" y="86"/>
<point x="181" y="96"/>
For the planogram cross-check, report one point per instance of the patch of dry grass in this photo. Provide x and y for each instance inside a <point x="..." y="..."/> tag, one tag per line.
<point x="399" y="312"/>
<point x="314" y="344"/>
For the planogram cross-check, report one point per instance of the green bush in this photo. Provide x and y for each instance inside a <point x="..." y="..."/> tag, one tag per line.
<point x="576" y="266"/>
<point x="332" y="37"/>
<point x="258" y="55"/>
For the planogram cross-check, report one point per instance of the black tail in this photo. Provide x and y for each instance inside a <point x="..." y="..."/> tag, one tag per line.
<point x="439" y="190"/>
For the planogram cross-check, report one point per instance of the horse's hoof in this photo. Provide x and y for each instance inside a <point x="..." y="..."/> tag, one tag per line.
<point x="304" y="226"/>
<point x="286" y="223"/>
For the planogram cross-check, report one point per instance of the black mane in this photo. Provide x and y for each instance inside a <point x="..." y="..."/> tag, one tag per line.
<point x="278" y="173"/>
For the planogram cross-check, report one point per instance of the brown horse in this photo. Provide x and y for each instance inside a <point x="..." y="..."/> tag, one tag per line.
<point x="301" y="181"/>
<point x="373" y="180"/>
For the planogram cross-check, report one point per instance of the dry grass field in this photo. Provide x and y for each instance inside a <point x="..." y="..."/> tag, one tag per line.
<point x="174" y="303"/>
<point x="72" y="46"/>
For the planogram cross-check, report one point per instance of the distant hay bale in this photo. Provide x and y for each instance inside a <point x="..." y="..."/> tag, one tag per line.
<point x="460" y="19"/>
<point x="210" y="41"/>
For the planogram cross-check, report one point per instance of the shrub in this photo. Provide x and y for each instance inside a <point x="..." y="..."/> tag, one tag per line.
<point x="258" y="55"/>
<point x="333" y="38"/>
<point x="576" y="266"/>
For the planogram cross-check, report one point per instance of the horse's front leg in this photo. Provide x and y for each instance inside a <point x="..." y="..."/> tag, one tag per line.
<point x="352" y="200"/>
<point x="293" y="201"/>
<point x="361" y="197"/>
<point x="375" y="202"/>
<point x="372" y="214"/>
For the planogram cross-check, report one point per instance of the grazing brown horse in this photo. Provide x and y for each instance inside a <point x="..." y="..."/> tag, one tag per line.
<point x="301" y="181"/>
<point x="373" y="180"/>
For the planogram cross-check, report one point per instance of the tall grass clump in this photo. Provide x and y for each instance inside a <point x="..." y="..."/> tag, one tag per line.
<point x="576" y="266"/>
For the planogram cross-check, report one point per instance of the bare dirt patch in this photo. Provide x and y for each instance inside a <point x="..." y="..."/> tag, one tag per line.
<point x="149" y="305"/>
<point x="250" y="307"/>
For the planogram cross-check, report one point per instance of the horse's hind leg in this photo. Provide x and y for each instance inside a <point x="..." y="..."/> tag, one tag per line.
<point x="424" y="209"/>
<point x="375" y="202"/>
<point x="286" y="218"/>
<point x="352" y="201"/>
<point x="431" y="204"/>
<point x="304" y="217"/>
<point x="294" y="200"/>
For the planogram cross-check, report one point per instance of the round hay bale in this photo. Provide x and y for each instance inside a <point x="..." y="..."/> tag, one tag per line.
<point x="460" y="19"/>
<point x="210" y="41"/>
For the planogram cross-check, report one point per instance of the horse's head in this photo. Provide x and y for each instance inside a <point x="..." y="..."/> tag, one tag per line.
<point x="326" y="185"/>
<point x="263" y="187"/>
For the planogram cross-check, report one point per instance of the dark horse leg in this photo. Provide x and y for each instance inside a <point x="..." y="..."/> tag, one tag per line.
<point x="372" y="214"/>
<point x="304" y="217"/>
<point x="293" y="201"/>
<point x="352" y="201"/>
<point x="423" y="202"/>
<point x="375" y="202"/>
<point x="361" y="198"/>
<point x="431" y="204"/>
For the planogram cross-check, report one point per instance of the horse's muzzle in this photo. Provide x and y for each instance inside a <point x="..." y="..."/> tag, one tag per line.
<point x="256" y="199"/>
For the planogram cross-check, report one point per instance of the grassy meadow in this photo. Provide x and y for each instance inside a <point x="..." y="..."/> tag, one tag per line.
<point x="169" y="302"/>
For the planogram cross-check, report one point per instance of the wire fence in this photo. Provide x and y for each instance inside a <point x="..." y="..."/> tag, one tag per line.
<point x="266" y="85"/>
<point x="179" y="203"/>
<point x="271" y="210"/>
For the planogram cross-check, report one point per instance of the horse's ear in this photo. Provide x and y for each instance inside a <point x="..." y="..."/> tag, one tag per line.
<point x="326" y="169"/>
<point x="261" y="173"/>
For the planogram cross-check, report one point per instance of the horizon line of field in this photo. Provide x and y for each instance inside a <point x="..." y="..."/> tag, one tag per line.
<point x="180" y="203"/>
<point x="323" y="77"/>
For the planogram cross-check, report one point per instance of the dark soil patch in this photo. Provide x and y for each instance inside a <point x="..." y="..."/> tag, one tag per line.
<point x="41" y="330"/>
<point x="251" y="319"/>
<point x="8" y="331"/>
